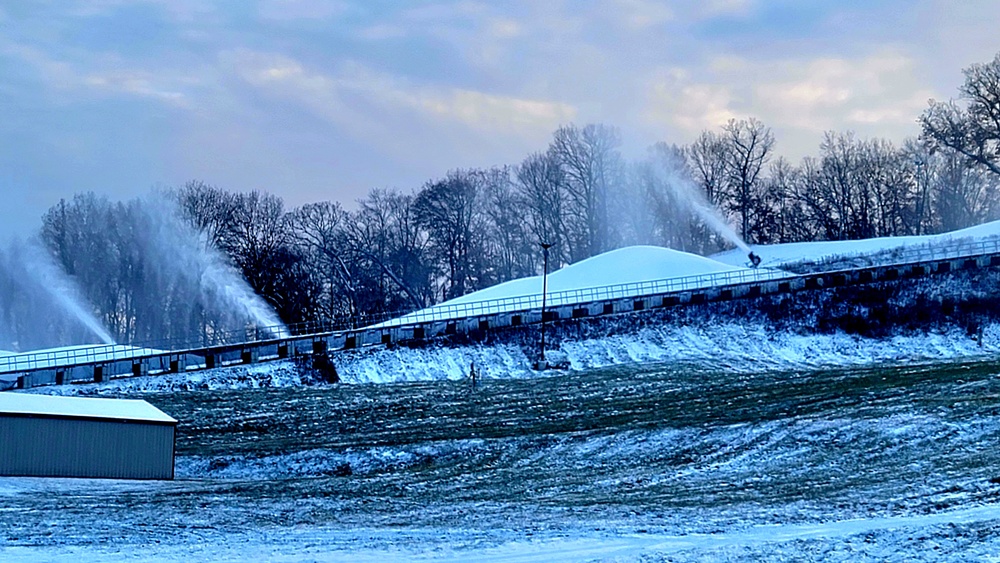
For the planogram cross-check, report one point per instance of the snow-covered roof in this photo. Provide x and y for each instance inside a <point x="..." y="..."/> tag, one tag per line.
<point x="77" y="407"/>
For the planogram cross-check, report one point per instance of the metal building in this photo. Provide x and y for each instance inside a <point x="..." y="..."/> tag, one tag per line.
<point x="45" y="436"/>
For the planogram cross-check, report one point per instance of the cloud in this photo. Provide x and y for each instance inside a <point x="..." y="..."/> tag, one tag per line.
<point x="876" y="95"/>
<point x="714" y="8"/>
<point x="505" y="28"/>
<point x="681" y="103"/>
<point x="184" y="11"/>
<point x="140" y="84"/>
<point x="490" y="112"/>
<point x="353" y="91"/>
<point x="109" y="76"/>
<point x="880" y="89"/>
<point x="380" y="32"/>
<point x="640" y="14"/>
<point x="291" y="10"/>
<point x="56" y="73"/>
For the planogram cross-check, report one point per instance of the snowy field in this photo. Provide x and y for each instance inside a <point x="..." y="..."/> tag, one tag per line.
<point x="660" y="462"/>
<point x="713" y="441"/>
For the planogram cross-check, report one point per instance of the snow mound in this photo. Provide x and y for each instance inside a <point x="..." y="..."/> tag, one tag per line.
<point x="779" y="255"/>
<point x="621" y="267"/>
<point x="632" y="264"/>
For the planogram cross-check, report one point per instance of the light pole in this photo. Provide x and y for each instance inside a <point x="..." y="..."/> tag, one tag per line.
<point x="545" y="287"/>
<point x="922" y="182"/>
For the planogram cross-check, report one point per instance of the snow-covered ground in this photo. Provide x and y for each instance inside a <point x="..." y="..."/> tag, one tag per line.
<point x="780" y="255"/>
<point x="715" y="440"/>
<point x="625" y="272"/>
<point x="948" y="536"/>
<point x="643" y="464"/>
<point x="633" y="264"/>
<point x="643" y="270"/>
<point x="267" y="375"/>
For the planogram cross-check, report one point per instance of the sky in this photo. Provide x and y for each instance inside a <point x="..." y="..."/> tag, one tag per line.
<point x="325" y="100"/>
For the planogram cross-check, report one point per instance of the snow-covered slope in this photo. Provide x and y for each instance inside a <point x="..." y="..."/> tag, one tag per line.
<point x="632" y="264"/>
<point x="778" y="255"/>
<point x="629" y="265"/>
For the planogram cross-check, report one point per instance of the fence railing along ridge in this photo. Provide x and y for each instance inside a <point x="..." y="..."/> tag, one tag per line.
<point x="137" y="350"/>
<point x="583" y="295"/>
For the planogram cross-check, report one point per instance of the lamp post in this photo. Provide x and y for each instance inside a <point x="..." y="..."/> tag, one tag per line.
<point x="545" y="286"/>
<point x="922" y="182"/>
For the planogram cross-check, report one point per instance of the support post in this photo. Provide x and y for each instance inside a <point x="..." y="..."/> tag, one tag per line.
<point x="545" y="287"/>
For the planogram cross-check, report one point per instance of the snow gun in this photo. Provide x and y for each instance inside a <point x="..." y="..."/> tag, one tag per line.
<point x="754" y="260"/>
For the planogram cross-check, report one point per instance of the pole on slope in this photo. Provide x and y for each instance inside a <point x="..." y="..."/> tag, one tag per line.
<point x="545" y="286"/>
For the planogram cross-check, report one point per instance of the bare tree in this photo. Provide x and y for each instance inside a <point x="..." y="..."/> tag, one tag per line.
<point x="509" y="247"/>
<point x="592" y="165"/>
<point x="790" y="218"/>
<point x="706" y="157"/>
<point x="320" y="230"/>
<point x="541" y="186"/>
<point x="746" y="148"/>
<point x="964" y="194"/>
<point x="210" y="209"/>
<point x="257" y="230"/>
<point x="451" y="212"/>
<point x="387" y="247"/>
<point x="974" y="130"/>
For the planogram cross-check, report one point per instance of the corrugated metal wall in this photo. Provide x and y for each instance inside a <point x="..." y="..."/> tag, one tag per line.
<point x="57" y="447"/>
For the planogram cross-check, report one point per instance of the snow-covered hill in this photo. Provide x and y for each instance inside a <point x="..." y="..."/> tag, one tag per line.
<point x="633" y="264"/>
<point x="740" y="345"/>
<point x="630" y="270"/>
<point x="780" y="255"/>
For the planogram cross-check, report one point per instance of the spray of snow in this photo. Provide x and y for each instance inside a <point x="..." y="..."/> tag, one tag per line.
<point x="178" y="251"/>
<point x="684" y="189"/>
<point x="41" y="270"/>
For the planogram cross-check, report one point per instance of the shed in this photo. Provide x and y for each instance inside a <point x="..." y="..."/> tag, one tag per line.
<point x="49" y="436"/>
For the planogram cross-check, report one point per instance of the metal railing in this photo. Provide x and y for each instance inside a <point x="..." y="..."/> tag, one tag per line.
<point x="70" y="356"/>
<point x="946" y="249"/>
<point x="580" y="296"/>
<point x="77" y="355"/>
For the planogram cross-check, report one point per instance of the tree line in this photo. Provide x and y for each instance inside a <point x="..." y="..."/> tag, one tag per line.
<point x="472" y="228"/>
